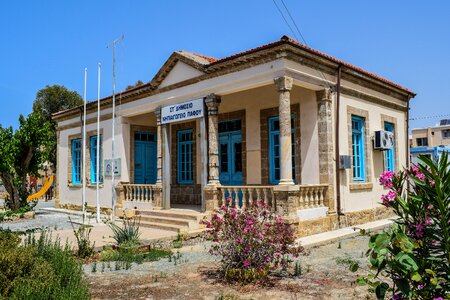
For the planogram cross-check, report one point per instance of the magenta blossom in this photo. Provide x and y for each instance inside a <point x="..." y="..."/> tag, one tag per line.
<point x="386" y="179"/>
<point x="247" y="263"/>
<point x="387" y="199"/>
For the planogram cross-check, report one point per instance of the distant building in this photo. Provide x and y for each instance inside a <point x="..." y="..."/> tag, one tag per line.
<point x="438" y="135"/>
<point x="432" y="152"/>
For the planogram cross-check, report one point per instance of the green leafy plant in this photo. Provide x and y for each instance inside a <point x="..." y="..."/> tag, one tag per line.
<point x="415" y="253"/>
<point x="128" y="234"/>
<point x="85" y="247"/>
<point x="39" y="269"/>
<point x="251" y="242"/>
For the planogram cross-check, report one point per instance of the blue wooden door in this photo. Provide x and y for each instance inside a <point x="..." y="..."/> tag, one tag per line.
<point x="144" y="160"/>
<point x="230" y="158"/>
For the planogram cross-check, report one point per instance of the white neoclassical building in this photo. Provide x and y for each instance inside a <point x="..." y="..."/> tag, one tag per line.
<point x="282" y="123"/>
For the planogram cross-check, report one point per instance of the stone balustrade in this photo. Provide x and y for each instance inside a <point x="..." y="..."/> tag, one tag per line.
<point x="243" y="196"/>
<point x="307" y="196"/>
<point x="312" y="195"/>
<point x="144" y="193"/>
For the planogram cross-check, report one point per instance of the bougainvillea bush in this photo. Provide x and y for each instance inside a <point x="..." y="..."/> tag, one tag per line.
<point x="414" y="255"/>
<point x="251" y="242"/>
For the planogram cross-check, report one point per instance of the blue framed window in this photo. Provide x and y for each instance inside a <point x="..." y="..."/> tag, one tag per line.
<point x="389" y="154"/>
<point x="275" y="149"/>
<point x="93" y="152"/>
<point x="185" y="159"/>
<point x="76" y="161"/>
<point x="358" y="149"/>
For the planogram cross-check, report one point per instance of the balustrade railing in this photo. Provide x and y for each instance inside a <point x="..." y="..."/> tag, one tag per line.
<point x="308" y="196"/>
<point x="243" y="196"/>
<point x="149" y="193"/>
<point x="312" y="195"/>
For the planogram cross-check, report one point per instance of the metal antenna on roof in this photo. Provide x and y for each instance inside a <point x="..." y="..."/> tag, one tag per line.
<point x="113" y="198"/>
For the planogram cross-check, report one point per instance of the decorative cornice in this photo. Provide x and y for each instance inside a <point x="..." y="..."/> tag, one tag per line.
<point x="283" y="83"/>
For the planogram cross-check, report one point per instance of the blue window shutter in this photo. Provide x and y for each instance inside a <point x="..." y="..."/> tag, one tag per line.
<point x="185" y="171"/>
<point x="275" y="149"/>
<point x="76" y="161"/>
<point x="389" y="154"/>
<point x="93" y="151"/>
<point x="358" y="151"/>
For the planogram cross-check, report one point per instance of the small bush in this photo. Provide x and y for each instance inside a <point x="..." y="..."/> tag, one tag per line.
<point x="39" y="269"/>
<point x="85" y="247"/>
<point x="251" y="242"/>
<point x="415" y="253"/>
<point x="128" y="233"/>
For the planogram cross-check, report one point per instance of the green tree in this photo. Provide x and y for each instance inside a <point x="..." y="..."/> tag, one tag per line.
<point x="138" y="83"/>
<point x="22" y="153"/>
<point x="52" y="99"/>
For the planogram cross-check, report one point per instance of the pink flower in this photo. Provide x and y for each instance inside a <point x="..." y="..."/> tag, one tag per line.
<point x="386" y="179"/>
<point x="420" y="287"/>
<point x="246" y="263"/>
<point x="430" y="206"/>
<point x="428" y="221"/>
<point x="389" y="198"/>
<point x="420" y="176"/>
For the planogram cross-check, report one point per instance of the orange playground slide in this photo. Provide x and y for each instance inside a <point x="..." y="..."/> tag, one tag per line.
<point x="47" y="184"/>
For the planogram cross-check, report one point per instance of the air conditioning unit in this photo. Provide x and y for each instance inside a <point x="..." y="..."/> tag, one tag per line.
<point x="384" y="140"/>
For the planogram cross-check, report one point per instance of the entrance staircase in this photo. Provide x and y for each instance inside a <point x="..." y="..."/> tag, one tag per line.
<point x="177" y="220"/>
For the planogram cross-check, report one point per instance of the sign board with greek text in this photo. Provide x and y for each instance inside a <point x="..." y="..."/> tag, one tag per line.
<point x="108" y="167"/>
<point x="182" y="111"/>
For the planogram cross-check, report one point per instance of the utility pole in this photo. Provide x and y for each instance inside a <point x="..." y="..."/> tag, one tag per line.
<point x="113" y="199"/>
<point x="83" y="197"/>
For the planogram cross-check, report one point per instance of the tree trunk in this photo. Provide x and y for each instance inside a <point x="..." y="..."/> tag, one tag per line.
<point x="14" y="194"/>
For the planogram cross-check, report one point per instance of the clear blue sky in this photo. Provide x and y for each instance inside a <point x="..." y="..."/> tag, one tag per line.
<point x="51" y="42"/>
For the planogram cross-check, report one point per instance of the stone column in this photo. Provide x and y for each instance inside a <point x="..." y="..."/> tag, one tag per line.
<point x="166" y="171"/>
<point x="158" y="147"/>
<point x="284" y="86"/>
<point x="326" y="148"/>
<point x="212" y="101"/>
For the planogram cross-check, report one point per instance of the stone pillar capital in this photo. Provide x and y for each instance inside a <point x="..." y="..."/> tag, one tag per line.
<point x="283" y="83"/>
<point x="212" y="101"/>
<point x="324" y="95"/>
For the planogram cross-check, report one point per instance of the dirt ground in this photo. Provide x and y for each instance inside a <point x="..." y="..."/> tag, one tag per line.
<point x="325" y="275"/>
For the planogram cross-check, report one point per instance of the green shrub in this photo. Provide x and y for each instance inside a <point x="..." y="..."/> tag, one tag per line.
<point x="85" y="247"/>
<point x="251" y="242"/>
<point x="128" y="233"/>
<point x="39" y="269"/>
<point x="415" y="253"/>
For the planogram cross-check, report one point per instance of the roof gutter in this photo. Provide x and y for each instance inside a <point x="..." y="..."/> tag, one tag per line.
<point x="337" y="150"/>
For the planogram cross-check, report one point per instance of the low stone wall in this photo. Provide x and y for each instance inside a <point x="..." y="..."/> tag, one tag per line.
<point x="90" y="209"/>
<point x="331" y="222"/>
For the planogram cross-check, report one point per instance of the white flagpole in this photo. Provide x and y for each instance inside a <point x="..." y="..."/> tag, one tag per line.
<point x="113" y="197"/>
<point x="83" y="199"/>
<point x="98" y="147"/>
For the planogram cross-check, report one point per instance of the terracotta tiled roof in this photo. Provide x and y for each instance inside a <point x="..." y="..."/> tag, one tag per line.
<point x="206" y="62"/>
<point x="208" y="58"/>
<point x="286" y="39"/>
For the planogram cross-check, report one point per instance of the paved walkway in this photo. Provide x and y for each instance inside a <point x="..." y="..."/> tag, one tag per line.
<point x="331" y="236"/>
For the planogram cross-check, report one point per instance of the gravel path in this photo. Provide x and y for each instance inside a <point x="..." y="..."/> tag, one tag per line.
<point x="42" y="220"/>
<point x="325" y="275"/>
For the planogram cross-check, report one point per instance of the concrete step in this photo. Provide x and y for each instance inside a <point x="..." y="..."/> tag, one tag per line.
<point x="173" y="213"/>
<point x="163" y="226"/>
<point x="166" y="220"/>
